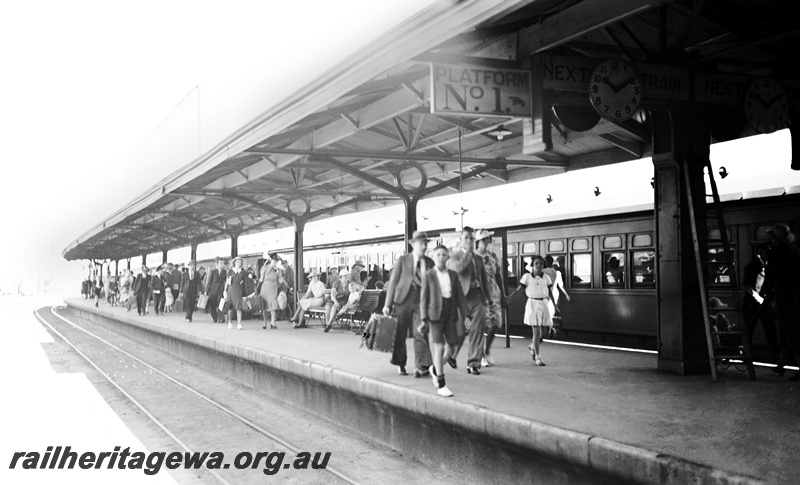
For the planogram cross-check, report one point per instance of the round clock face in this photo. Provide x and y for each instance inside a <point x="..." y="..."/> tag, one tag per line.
<point x="615" y="90"/>
<point x="766" y="105"/>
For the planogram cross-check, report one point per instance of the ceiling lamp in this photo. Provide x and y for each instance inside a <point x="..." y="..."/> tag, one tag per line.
<point x="597" y="191"/>
<point x="549" y="198"/>
<point x="723" y="172"/>
<point x="500" y="132"/>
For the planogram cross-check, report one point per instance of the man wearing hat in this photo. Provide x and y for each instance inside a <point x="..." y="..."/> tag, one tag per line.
<point x="216" y="286"/>
<point x="190" y="288"/>
<point x="402" y="300"/>
<point x="474" y="283"/>
<point x="782" y="281"/>
<point x="355" y="272"/>
<point x="141" y="288"/>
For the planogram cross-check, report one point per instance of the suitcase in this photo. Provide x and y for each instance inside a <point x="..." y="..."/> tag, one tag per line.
<point x="178" y="305"/>
<point x="380" y="333"/>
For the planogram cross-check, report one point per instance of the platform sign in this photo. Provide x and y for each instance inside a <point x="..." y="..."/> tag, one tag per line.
<point x="480" y="91"/>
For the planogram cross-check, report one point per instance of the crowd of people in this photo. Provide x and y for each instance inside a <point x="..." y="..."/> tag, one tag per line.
<point x="444" y="299"/>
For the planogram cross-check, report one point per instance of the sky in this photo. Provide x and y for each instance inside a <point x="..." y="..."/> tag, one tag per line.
<point x="100" y="100"/>
<point x="95" y="97"/>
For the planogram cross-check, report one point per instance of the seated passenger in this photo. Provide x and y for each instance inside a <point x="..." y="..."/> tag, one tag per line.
<point x="339" y="294"/>
<point x="353" y="299"/>
<point x="315" y="296"/>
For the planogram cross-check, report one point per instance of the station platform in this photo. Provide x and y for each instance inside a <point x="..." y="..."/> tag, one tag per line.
<point x="599" y="415"/>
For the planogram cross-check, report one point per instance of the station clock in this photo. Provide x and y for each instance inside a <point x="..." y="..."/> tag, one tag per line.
<point x="615" y="90"/>
<point x="766" y="105"/>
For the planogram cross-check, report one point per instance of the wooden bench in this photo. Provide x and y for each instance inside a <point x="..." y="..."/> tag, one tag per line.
<point x="318" y="312"/>
<point x="359" y="316"/>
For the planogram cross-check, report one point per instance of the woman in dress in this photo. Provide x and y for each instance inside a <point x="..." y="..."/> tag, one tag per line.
<point x="493" y="316"/>
<point x="558" y="288"/>
<point x="125" y="286"/>
<point x="234" y="292"/>
<point x="268" y="281"/>
<point x="315" y="296"/>
<point x="538" y="289"/>
<point x="98" y="289"/>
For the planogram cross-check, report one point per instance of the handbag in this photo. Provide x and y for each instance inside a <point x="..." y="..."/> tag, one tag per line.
<point x="202" y="301"/>
<point x="282" y="300"/>
<point x="221" y="306"/>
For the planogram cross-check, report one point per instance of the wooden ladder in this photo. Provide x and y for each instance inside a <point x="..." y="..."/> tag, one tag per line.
<point x="718" y="354"/>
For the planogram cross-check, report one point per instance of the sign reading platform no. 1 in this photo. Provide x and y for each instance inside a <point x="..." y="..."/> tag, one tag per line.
<point x="480" y="91"/>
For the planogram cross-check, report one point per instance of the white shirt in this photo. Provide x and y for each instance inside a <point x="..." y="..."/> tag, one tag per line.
<point x="536" y="286"/>
<point x="444" y="283"/>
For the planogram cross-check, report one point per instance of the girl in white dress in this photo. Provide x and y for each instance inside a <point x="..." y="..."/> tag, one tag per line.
<point x="538" y="288"/>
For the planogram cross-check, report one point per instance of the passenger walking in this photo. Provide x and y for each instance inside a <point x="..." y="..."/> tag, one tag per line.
<point x="441" y="300"/>
<point x="169" y="276"/>
<point x="474" y="283"/>
<point x="215" y="289"/>
<point x="756" y="306"/>
<point x="141" y="290"/>
<point x="315" y="296"/>
<point x="782" y="281"/>
<point x="538" y="288"/>
<point x="268" y="289"/>
<point x="126" y="289"/>
<point x="493" y="315"/>
<point x="402" y="301"/>
<point x="551" y="270"/>
<point x="190" y="289"/>
<point x="157" y="289"/>
<point x="234" y="292"/>
<point x="107" y="287"/>
<point x="98" y="289"/>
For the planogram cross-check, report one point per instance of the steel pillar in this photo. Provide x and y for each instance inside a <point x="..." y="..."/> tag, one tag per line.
<point x="164" y="256"/>
<point x="234" y="245"/>
<point x="193" y="253"/>
<point x="681" y="143"/>
<point x="144" y="260"/>
<point x="299" y="274"/>
<point x="410" y="204"/>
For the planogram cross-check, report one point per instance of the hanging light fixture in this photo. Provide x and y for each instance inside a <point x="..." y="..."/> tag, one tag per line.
<point x="597" y="191"/>
<point x="500" y="132"/>
<point x="653" y="183"/>
<point x="549" y="198"/>
<point x="723" y="172"/>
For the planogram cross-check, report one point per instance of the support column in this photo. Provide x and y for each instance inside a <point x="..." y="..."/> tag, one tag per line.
<point x="164" y="256"/>
<point x="193" y="252"/>
<point x="129" y="264"/>
<point x="116" y="268"/>
<point x="144" y="259"/>
<point x="410" y="204"/>
<point x="234" y="245"/>
<point x="681" y="143"/>
<point x="299" y="274"/>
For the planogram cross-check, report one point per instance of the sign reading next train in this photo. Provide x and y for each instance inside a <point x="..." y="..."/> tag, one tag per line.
<point x="480" y="91"/>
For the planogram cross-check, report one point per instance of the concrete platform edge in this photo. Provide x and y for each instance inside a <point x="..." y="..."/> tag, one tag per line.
<point x="595" y="454"/>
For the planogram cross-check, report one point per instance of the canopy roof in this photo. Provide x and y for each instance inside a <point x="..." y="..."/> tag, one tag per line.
<point x="362" y="135"/>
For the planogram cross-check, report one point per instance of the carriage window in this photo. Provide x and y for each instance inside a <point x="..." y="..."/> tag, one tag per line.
<point x="613" y="270"/>
<point x="719" y="272"/>
<point x="612" y="242"/>
<point x="644" y="269"/>
<point x="581" y="274"/>
<point x="526" y="264"/>
<point x="714" y="234"/>
<point x="555" y="246"/>
<point x="512" y="266"/>
<point x="530" y="248"/>
<point x="642" y="240"/>
<point x="580" y="244"/>
<point x="511" y="249"/>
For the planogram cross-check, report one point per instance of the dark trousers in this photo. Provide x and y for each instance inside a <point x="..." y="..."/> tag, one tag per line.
<point x="474" y="337"/>
<point x="767" y="316"/>
<point x="158" y="302"/>
<point x="141" y="303"/>
<point x="189" y="305"/>
<point x="213" y="306"/>
<point x="175" y="294"/>
<point x="407" y="314"/>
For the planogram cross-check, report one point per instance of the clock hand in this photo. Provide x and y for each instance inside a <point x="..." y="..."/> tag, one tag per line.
<point x="613" y="86"/>
<point x="759" y="98"/>
<point x="772" y="101"/>
<point x="626" y="82"/>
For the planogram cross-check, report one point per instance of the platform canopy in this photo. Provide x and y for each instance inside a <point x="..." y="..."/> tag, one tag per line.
<point x="511" y="101"/>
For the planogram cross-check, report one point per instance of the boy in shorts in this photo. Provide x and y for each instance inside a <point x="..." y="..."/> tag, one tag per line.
<point x="441" y="298"/>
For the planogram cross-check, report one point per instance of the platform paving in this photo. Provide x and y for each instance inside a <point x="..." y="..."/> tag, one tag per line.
<point x="749" y="428"/>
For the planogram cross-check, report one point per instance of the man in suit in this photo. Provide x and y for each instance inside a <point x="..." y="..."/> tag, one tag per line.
<point x="191" y="285"/>
<point x="441" y="300"/>
<point x="157" y="288"/>
<point x="402" y="300"/>
<point x="141" y="288"/>
<point x="474" y="284"/>
<point x="216" y="285"/>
